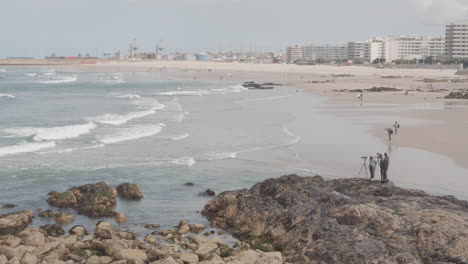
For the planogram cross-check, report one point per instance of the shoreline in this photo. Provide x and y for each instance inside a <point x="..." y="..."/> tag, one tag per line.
<point x="436" y="139"/>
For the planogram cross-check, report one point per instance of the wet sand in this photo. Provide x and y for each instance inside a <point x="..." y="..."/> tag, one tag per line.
<point x="428" y="121"/>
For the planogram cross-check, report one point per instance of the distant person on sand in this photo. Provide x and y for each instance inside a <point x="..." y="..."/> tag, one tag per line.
<point x="396" y="126"/>
<point x="390" y="133"/>
<point x="372" y="165"/>
<point x="386" y="162"/>
<point x="360" y="96"/>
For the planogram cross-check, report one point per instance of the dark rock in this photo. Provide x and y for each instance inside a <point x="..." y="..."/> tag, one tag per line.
<point x="93" y="200"/>
<point x="189" y="184"/>
<point x="53" y="230"/>
<point x="153" y="226"/>
<point x="8" y="206"/>
<point x="208" y="192"/>
<point x="344" y="221"/>
<point x="457" y="95"/>
<point x="14" y="223"/>
<point x="47" y="214"/>
<point x="129" y="191"/>
<point x="78" y="230"/>
<point x="253" y="85"/>
<point x="64" y="218"/>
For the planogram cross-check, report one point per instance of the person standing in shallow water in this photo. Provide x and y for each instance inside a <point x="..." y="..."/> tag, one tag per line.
<point x="389" y="132"/>
<point x="372" y="165"/>
<point x="386" y="163"/>
<point x="396" y="126"/>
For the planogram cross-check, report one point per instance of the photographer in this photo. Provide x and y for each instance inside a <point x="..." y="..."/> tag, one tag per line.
<point x="372" y="165"/>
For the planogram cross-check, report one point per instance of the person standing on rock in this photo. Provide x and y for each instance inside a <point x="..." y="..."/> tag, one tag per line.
<point x="372" y="165"/>
<point x="386" y="162"/>
<point x="381" y="165"/>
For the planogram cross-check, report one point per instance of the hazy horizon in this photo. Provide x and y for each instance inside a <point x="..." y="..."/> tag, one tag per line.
<point x="40" y="27"/>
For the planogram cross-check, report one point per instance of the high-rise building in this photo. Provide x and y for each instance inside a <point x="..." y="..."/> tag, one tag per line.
<point x="294" y="53"/>
<point x="356" y="50"/>
<point x="325" y="52"/>
<point x="409" y="48"/>
<point x="456" y="39"/>
<point x="373" y="49"/>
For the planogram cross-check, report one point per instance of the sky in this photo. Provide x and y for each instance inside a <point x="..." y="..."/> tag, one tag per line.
<point x="38" y="28"/>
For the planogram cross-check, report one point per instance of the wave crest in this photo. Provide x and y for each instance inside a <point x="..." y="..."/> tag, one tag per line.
<point x="133" y="133"/>
<point x="52" y="133"/>
<point x="25" y="147"/>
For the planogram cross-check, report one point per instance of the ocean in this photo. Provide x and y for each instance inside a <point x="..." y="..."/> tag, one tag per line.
<point x="63" y="128"/>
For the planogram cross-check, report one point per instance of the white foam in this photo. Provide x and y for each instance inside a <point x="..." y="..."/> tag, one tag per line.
<point x="48" y="73"/>
<point x="57" y="80"/>
<point x="133" y="133"/>
<point x="32" y="75"/>
<point x="223" y="155"/>
<point x="149" y="103"/>
<point x="3" y="70"/>
<point x="113" y="119"/>
<point x="52" y="133"/>
<point x="187" y="93"/>
<point x="7" y="96"/>
<point x="25" y="147"/>
<point x="179" y="137"/>
<point x="180" y="117"/>
<point x="187" y="161"/>
<point x="130" y="96"/>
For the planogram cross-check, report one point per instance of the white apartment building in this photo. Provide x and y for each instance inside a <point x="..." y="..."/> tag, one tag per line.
<point x="408" y="48"/>
<point x="325" y="52"/>
<point x="456" y="39"/>
<point x="368" y="50"/>
<point x="294" y="53"/>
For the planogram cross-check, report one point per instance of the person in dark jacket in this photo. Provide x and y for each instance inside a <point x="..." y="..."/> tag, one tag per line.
<point x="386" y="163"/>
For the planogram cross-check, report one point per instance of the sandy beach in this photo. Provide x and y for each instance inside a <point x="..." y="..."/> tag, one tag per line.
<point x="434" y="123"/>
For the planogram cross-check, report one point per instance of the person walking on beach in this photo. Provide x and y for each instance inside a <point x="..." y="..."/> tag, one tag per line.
<point x="386" y="162"/>
<point x="372" y="165"/>
<point x="389" y="132"/>
<point x="396" y="126"/>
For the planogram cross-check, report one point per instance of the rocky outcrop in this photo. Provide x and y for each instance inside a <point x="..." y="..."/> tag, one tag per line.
<point x="15" y="222"/>
<point x="93" y="200"/>
<point x="111" y="245"/>
<point x="207" y="192"/>
<point x="261" y="86"/>
<point x="457" y="95"/>
<point x="129" y="191"/>
<point x="311" y="220"/>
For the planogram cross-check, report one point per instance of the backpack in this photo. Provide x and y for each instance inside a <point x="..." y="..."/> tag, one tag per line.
<point x="390" y="131"/>
<point x="398" y="125"/>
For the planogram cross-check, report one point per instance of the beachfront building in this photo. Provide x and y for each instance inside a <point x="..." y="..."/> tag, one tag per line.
<point x="456" y="39"/>
<point x="374" y="50"/>
<point x="325" y="52"/>
<point x="294" y="53"/>
<point x="410" y="48"/>
<point x="356" y="50"/>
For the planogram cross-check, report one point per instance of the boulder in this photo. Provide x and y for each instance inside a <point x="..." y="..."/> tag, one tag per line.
<point x="121" y="218"/>
<point x="78" y="230"/>
<point x="129" y="191"/>
<point x="32" y="237"/>
<point x="98" y="260"/>
<point x="15" y="222"/>
<point x="93" y="200"/>
<point x="29" y="259"/>
<point x="53" y="230"/>
<point x="8" y="206"/>
<point x="131" y="255"/>
<point x="207" y="192"/>
<point x="152" y="226"/>
<point x="343" y="221"/>
<point x="47" y="214"/>
<point x="187" y="257"/>
<point x="64" y="218"/>
<point x="168" y="260"/>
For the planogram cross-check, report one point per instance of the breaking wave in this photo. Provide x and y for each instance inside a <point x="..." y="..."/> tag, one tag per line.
<point x="25" y="147"/>
<point x="179" y="137"/>
<point x="130" y="96"/>
<point x="7" y="96"/>
<point x="133" y="133"/>
<point x="51" y="133"/>
<point x="113" y="119"/>
<point x="58" y="80"/>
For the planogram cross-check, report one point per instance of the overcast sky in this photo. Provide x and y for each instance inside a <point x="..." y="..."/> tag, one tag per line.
<point x="39" y="27"/>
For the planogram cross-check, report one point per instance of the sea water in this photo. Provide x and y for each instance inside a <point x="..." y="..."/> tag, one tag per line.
<point x="60" y="129"/>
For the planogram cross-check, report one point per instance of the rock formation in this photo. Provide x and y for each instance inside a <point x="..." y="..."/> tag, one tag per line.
<point x="350" y="221"/>
<point x="129" y="191"/>
<point x="93" y="200"/>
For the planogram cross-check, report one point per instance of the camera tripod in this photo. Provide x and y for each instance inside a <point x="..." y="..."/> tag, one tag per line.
<point x="364" y="166"/>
